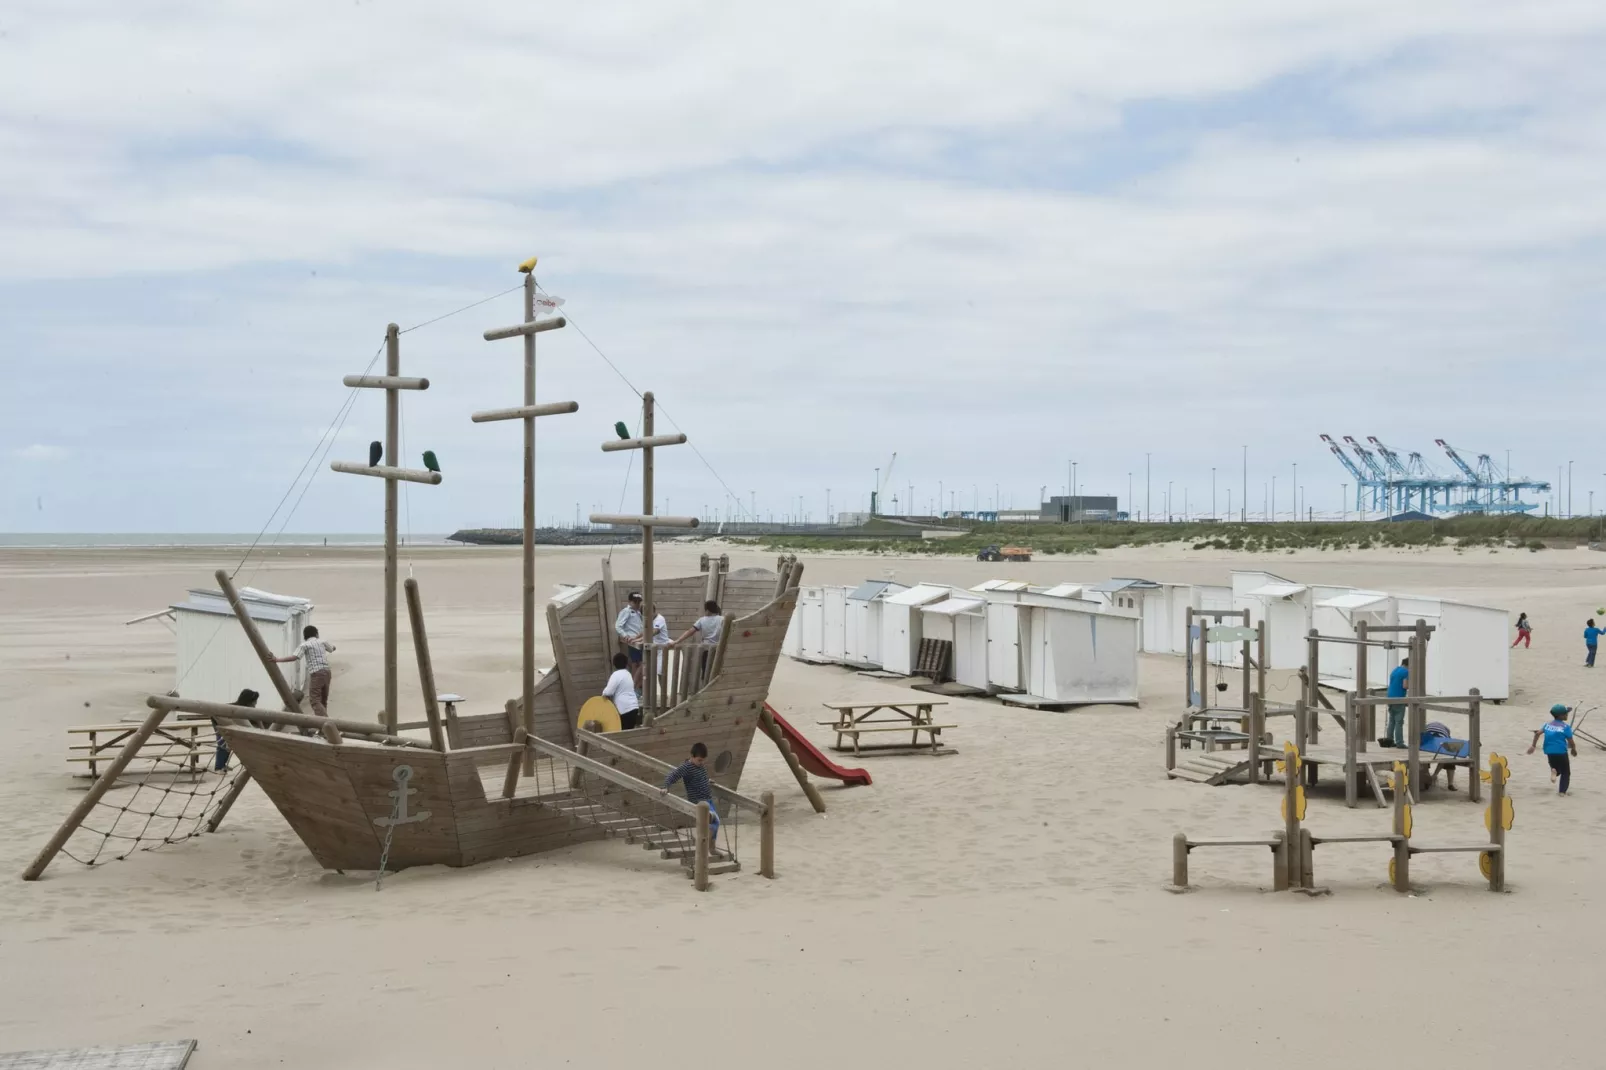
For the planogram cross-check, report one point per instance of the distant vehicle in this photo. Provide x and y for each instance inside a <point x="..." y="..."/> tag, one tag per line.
<point x="1005" y="553"/>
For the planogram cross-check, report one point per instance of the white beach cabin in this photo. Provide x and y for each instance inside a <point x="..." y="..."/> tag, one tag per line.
<point x="1075" y="655"/>
<point x="1336" y="615"/>
<point x="215" y="659"/>
<point x="961" y="620"/>
<point x="817" y="632"/>
<point x="901" y="625"/>
<point x="1284" y="605"/>
<point x="864" y="621"/>
<point x="1469" y="648"/>
<point x="1004" y="669"/>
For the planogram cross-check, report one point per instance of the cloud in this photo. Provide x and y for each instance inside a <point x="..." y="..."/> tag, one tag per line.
<point x="989" y="243"/>
<point x="39" y="452"/>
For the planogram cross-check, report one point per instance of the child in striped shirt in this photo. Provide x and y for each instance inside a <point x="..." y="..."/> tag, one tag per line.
<point x="697" y="788"/>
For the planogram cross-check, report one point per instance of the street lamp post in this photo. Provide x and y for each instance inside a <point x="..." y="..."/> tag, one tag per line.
<point x="1212" y="492"/>
<point x="1076" y="498"/>
<point x="1244" y="505"/>
<point x="1343" y="500"/>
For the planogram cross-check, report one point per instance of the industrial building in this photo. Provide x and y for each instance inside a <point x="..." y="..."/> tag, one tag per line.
<point x="1081" y="508"/>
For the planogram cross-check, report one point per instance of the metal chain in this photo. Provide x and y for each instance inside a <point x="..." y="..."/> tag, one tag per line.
<point x="390" y="830"/>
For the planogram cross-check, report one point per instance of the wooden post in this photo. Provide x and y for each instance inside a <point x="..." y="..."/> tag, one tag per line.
<point x="1312" y="703"/>
<point x="511" y="780"/>
<point x="610" y="609"/>
<point x="1350" y="770"/>
<point x="1279" y="862"/>
<point x="1368" y="712"/>
<point x="1497" y="828"/>
<point x="1291" y="827"/>
<point x="393" y="460"/>
<point x="717" y="662"/>
<point x="1307" y="859"/>
<point x="527" y="603"/>
<point x="1301" y="723"/>
<point x="1402" y="842"/>
<point x="1257" y="726"/>
<point x="241" y="779"/>
<point x="426" y="668"/>
<point x="700" y="867"/>
<point x="566" y="679"/>
<point x="766" y="837"/>
<point x="1475" y="740"/>
<point x="1187" y="661"/>
<point x="96" y="791"/>
<point x="1414" y="713"/>
<point x="1247" y="660"/>
<point x="1260" y="657"/>
<point x="1171" y="749"/>
<point x="331" y="733"/>
<point x="1179" y="860"/>
<point x="1204" y="663"/>
<point x="649" y="601"/>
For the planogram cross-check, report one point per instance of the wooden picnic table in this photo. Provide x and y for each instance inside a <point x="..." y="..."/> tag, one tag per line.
<point x="852" y="719"/>
<point x="177" y="743"/>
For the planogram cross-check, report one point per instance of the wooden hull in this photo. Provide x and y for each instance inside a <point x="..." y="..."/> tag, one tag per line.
<point x="340" y="799"/>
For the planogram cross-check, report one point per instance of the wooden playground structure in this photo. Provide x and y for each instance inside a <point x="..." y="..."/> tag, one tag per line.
<point x="528" y="778"/>
<point x="1228" y="744"/>
<point x="1293" y="847"/>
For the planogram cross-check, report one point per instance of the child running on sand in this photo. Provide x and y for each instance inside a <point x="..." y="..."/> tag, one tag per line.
<point x="1525" y="632"/>
<point x="1591" y="642"/>
<point x="1558" y="736"/>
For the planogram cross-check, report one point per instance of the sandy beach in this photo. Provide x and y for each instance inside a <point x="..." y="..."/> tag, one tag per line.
<point x="1003" y="906"/>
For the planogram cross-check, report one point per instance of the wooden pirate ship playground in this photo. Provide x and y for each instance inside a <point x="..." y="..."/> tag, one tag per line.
<point x="530" y="778"/>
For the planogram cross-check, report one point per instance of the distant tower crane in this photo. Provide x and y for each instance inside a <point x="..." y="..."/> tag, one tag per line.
<point x="881" y="487"/>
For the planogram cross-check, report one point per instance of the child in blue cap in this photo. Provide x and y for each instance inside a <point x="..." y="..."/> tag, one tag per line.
<point x="1558" y="736"/>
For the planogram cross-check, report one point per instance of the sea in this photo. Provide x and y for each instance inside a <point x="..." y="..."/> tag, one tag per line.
<point x="134" y="539"/>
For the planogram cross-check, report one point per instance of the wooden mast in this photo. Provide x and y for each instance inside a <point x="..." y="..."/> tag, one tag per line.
<point x="528" y="413"/>
<point x="391" y="472"/>
<point x="647" y="521"/>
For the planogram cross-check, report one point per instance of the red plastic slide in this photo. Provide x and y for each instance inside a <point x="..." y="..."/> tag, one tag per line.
<point x="810" y="758"/>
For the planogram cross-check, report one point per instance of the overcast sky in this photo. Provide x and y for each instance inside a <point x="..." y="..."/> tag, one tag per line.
<point x="992" y="238"/>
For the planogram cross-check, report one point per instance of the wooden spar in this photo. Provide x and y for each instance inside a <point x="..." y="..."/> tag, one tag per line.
<point x="650" y="600"/>
<point x="1416" y="685"/>
<point x="643" y="443"/>
<point x="527" y="605"/>
<point x="566" y="674"/>
<point x="282" y="686"/>
<point x="254" y="717"/>
<point x="1497" y="826"/>
<point x="331" y="733"/>
<point x="426" y="668"/>
<point x="1368" y="713"/>
<point x="1475" y="738"/>
<point x="700" y="864"/>
<point x="718" y="661"/>
<point x="392" y="460"/>
<point x="531" y="326"/>
<point x="386" y="472"/>
<point x="554" y="408"/>
<point x="766" y="837"/>
<point x="511" y="781"/>
<point x="1402" y="841"/>
<point x="610" y="611"/>
<point x="392" y="382"/>
<point x="101" y="786"/>
<point x="644" y="520"/>
<point x="528" y="412"/>
<point x="385" y="382"/>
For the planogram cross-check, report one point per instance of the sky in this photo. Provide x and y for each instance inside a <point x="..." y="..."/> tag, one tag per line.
<point x="991" y="240"/>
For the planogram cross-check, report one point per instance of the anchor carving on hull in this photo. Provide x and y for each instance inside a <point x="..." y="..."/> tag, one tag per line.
<point x="399" y="815"/>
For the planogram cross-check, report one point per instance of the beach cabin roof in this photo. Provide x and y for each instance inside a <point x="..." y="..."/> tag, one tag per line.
<point x="870" y="590"/>
<point x="1353" y="600"/>
<point x="1278" y="590"/>
<point x="568" y="592"/>
<point x="1122" y="583"/>
<point x="1001" y="585"/>
<point x="260" y="605"/>
<point x="919" y="595"/>
<point x="955" y="606"/>
<point x="1063" y="590"/>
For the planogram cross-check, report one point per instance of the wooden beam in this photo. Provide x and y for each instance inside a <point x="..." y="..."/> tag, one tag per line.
<point x="644" y="520"/>
<point x="560" y="655"/>
<point x="528" y="327"/>
<point x="605" y="742"/>
<point x="392" y="461"/>
<point x="646" y="442"/>
<point x="254" y="717"/>
<point x="386" y="382"/>
<point x="387" y="472"/>
<point x="773" y="730"/>
<point x="700" y="863"/>
<point x="525" y="412"/>
<point x="766" y="837"/>
<point x="96" y="791"/>
<point x="426" y="668"/>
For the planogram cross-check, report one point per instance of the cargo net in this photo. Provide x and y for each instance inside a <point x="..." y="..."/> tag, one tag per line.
<point x="187" y="775"/>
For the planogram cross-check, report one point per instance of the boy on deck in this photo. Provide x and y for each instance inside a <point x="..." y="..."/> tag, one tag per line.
<point x="1558" y="736"/>
<point x="316" y="651"/>
<point x="697" y="789"/>
<point x="621" y="691"/>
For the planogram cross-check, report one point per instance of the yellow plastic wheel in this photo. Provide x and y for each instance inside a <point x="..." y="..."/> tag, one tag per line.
<point x="1391" y="870"/>
<point x="600" y="710"/>
<point x="1508" y="813"/>
<point x="1485" y="864"/>
<point x="1299" y="802"/>
<point x="1406" y="822"/>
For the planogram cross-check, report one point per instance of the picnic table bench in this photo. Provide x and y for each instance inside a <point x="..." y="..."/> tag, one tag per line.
<point x="854" y="719"/>
<point x="184" y="745"/>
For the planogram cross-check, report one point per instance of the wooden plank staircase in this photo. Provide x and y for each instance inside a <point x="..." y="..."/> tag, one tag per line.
<point x="593" y="809"/>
